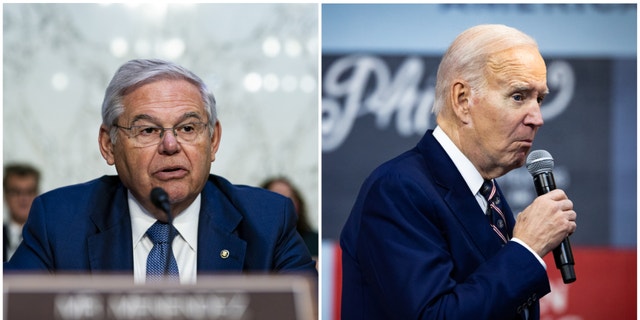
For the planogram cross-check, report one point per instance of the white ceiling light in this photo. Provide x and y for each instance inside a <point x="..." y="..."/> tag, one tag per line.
<point x="271" y="47"/>
<point x="119" y="47"/>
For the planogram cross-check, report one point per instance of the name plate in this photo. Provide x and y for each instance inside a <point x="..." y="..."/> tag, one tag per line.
<point x="233" y="297"/>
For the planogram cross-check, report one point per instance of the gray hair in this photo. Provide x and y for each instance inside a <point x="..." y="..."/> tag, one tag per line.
<point x="469" y="54"/>
<point x="136" y="73"/>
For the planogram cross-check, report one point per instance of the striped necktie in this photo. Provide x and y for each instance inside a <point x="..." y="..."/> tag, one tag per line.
<point x="496" y="218"/>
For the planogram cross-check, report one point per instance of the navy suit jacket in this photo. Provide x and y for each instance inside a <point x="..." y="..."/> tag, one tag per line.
<point x="418" y="246"/>
<point x="87" y="228"/>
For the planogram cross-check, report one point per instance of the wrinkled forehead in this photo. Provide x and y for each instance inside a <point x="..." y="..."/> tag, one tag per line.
<point x="520" y="64"/>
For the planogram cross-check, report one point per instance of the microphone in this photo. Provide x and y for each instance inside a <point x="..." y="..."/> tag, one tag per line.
<point x="540" y="166"/>
<point x="160" y="199"/>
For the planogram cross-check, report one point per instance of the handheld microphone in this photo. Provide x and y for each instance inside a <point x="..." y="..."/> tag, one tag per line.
<point x="540" y="166"/>
<point x="160" y="199"/>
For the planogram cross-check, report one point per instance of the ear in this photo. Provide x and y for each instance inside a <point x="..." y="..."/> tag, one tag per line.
<point x="461" y="100"/>
<point x="106" y="147"/>
<point x="215" y="140"/>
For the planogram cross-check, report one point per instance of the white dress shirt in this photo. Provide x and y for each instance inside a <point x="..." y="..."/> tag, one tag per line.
<point x="471" y="176"/>
<point x="185" y="244"/>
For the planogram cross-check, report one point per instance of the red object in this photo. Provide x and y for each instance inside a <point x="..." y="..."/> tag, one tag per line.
<point x="605" y="286"/>
<point x="337" y="282"/>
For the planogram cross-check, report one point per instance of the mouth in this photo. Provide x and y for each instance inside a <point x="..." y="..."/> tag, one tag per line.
<point x="169" y="173"/>
<point x="526" y="142"/>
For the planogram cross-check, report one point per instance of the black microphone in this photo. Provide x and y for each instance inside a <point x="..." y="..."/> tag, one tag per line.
<point x="160" y="199"/>
<point x="540" y="166"/>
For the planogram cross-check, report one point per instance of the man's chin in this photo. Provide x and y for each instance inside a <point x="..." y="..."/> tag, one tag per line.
<point x="177" y="194"/>
<point x="181" y="192"/>
<point x="521" y="157"/>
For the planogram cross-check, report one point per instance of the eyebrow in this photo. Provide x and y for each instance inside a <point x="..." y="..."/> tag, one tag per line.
<point x="519" y="87"/>
<point x="144" y="116"/>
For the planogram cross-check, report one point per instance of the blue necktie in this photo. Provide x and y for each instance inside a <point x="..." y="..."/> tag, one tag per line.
<point x="494" y="212"/>
<point x="497" y="219"/>
<point x="158" y="233"/>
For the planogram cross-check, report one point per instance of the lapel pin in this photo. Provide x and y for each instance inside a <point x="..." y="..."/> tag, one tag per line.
<point x="224" y="254"/>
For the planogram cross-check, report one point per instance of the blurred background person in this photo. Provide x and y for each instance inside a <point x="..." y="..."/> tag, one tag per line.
<point x="21" y="185"/>
<point x="284" y="187"/>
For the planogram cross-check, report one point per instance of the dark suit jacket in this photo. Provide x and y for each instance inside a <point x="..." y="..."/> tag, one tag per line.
<point x="418" y="246"/>
<point x="87" y="228"/>
<point x="5" y="241"/>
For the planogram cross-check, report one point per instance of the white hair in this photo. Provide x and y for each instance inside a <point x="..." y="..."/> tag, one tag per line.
<point x="468" y="55"/>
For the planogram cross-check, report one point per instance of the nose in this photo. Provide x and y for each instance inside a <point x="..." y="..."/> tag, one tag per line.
<point x="534" y="116"/>
<point x="169" y="143"/>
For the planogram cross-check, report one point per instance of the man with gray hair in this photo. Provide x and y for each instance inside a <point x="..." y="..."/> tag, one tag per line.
<point x="160" y="130"/>
<point x="430" y="235"/>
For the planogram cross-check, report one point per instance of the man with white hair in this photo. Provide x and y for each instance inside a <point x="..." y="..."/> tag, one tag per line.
<point x="430" y="235"/>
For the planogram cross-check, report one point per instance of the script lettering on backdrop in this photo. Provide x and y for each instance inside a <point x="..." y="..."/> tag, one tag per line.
<point x="400" y="94"/>
<point x="348" y="94"/>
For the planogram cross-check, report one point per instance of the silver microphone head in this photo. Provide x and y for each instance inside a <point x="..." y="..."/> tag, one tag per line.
<point x="539" y="161"/>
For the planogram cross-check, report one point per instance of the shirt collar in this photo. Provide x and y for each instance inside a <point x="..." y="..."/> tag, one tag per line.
<point x="468" y="171"/>
<point x="186" y="222"/>
<point x="15" y="232"/>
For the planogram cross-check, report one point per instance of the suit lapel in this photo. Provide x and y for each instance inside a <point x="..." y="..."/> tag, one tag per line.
<point x="111" y="247"/>
<point x="458" y="197"/>
<point x="219" y="246"/>
<point x="5" y="241"/>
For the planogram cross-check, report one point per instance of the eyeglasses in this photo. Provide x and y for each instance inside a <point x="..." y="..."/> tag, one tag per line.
<point x="144" y="136"/>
